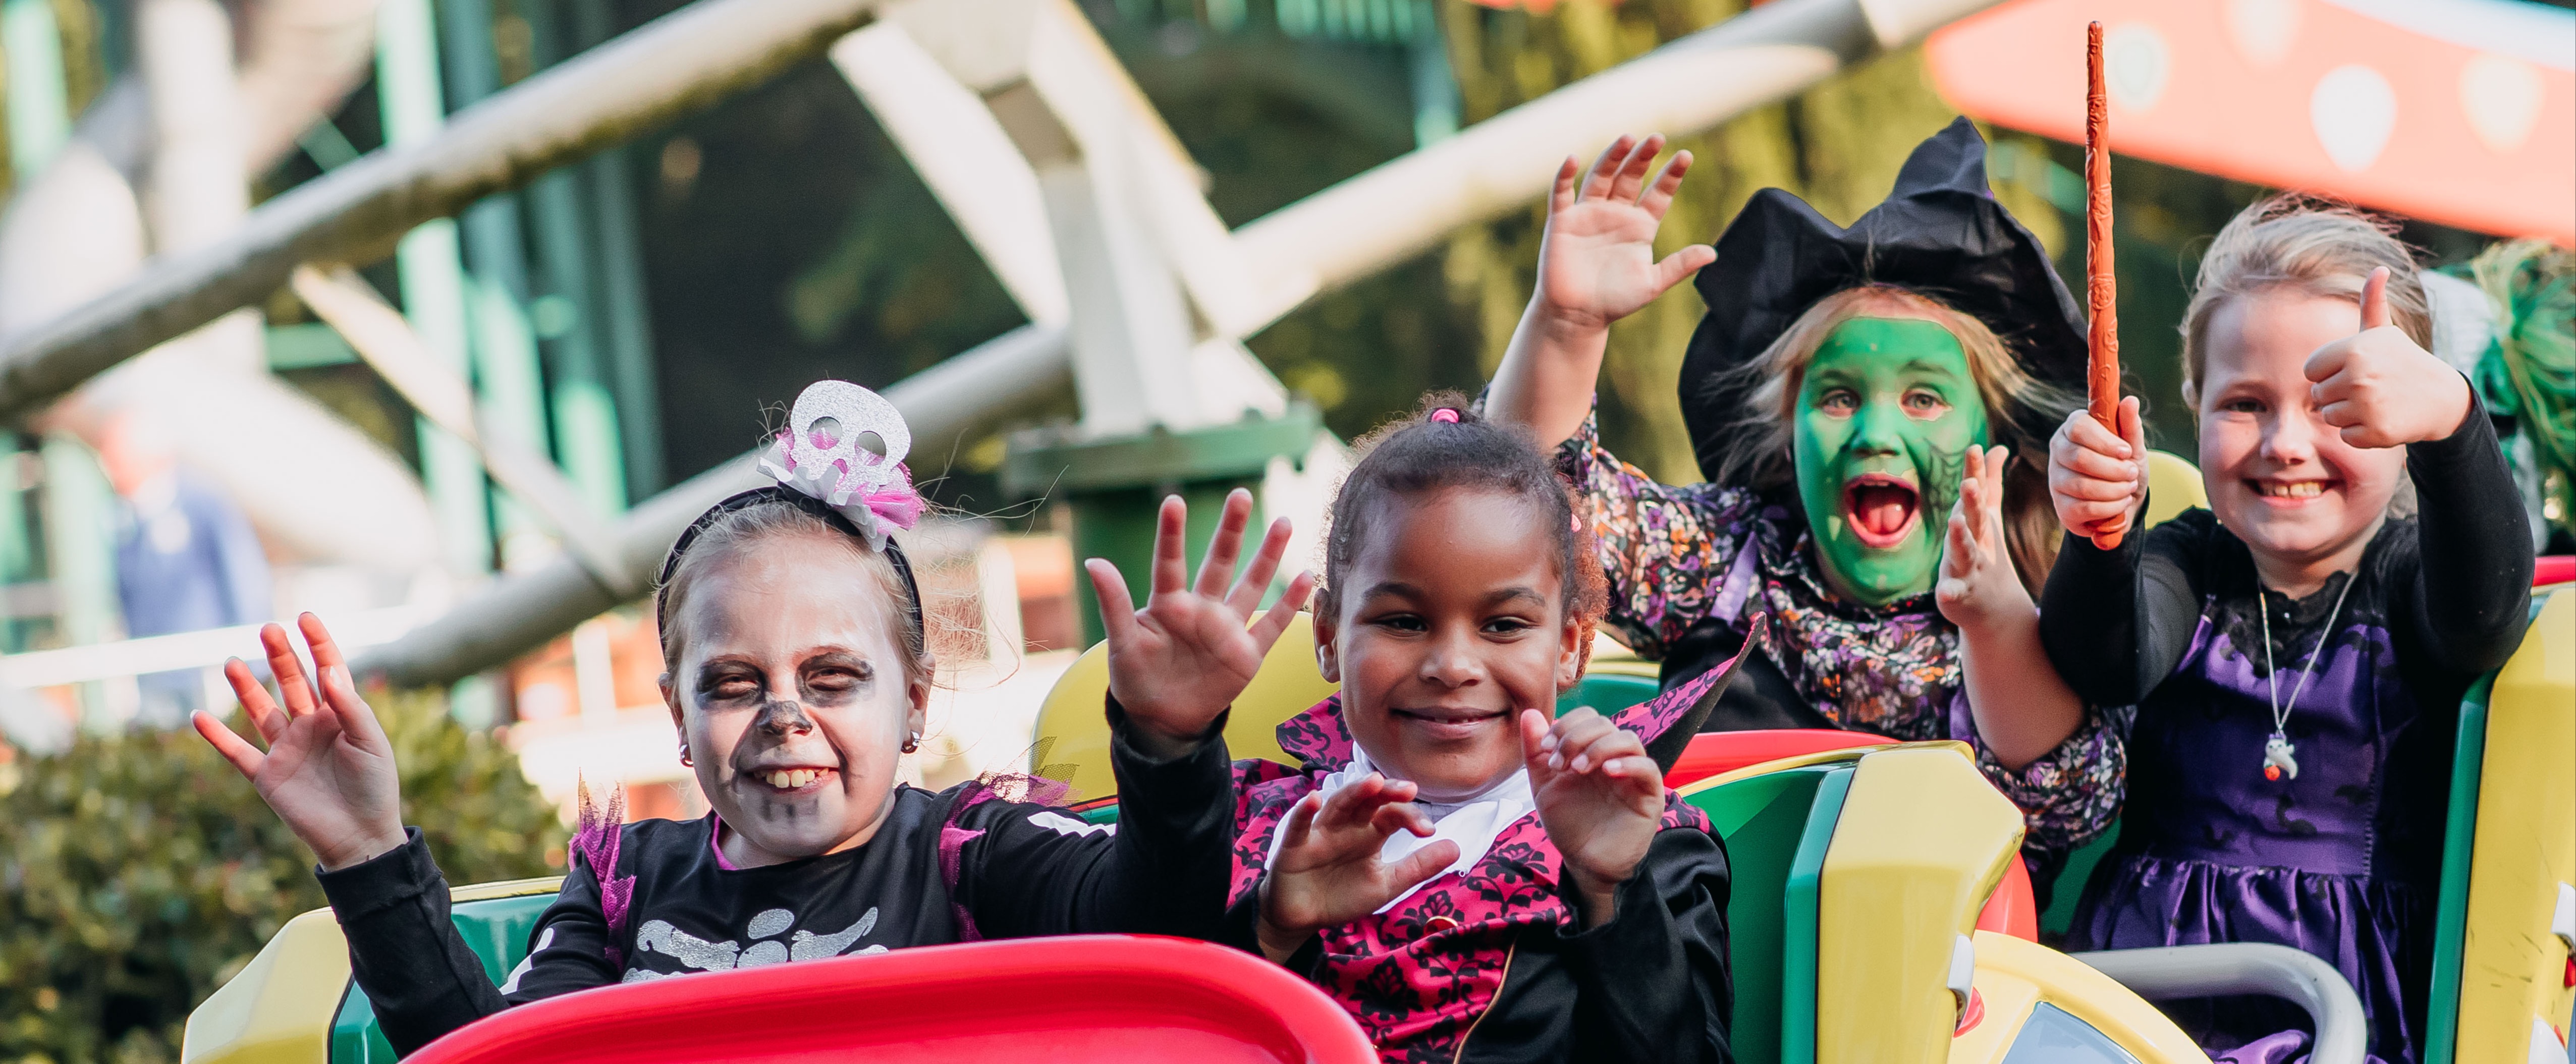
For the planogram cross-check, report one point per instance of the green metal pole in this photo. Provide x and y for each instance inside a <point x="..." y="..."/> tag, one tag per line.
<point x="39" y="124"/>
<point x="625" y="323"/>
<point x="511" y="385"/>
<point x="586" y="435"/>
<point x="434" y="299"/>
<point x="78" y="536"/>
<point x="79" y="506"/>
<point x="39" y="110"/>
<point x="17" y="543"/>
<point x="1435" y="85"/>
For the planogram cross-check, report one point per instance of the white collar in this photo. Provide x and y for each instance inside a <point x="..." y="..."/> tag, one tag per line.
<point x="1472" y="824"/>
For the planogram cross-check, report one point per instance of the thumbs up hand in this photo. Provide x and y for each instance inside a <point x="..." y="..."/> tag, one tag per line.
<point x="2382" y="389"/>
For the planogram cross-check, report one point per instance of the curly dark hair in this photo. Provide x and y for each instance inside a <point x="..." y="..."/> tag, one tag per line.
<point x="1446" y="443"/>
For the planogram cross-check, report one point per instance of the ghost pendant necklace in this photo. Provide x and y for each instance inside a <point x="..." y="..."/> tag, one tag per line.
<point x="2278" y="759"/>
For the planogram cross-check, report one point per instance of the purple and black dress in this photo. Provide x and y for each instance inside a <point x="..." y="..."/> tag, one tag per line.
<point x="2342" y="857"/>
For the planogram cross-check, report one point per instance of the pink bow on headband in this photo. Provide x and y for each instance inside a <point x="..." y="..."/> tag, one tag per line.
<point x="896" y="503"/>
<point x="819" y="454"/>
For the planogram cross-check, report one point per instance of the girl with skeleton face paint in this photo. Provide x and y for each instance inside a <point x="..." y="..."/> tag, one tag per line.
<point x="1842" y="392"/>
<point x="793" y="633"/>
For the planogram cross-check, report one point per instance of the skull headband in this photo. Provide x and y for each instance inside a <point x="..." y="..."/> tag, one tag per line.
<point x="822" y="470"/>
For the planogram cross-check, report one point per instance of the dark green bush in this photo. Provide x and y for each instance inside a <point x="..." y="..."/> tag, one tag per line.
<point x="139" y="872"/>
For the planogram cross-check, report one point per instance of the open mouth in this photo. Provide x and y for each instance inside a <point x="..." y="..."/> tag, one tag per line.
<point x="1448" y="722"/>
<point x="793" y="780"/>
<point x="2289" y="492"/>
<point x="1882" y="509"/>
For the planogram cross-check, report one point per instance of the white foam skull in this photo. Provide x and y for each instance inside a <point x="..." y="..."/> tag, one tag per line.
<point x="822" y="444"/>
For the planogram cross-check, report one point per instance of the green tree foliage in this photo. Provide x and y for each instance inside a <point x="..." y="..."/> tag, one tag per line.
<point x="1838" y="145"/>
<point x="138" y="872"/>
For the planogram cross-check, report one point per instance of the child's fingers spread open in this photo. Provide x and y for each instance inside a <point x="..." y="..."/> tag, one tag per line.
<point x="1265" y="632"/>
<point x="326" y="651"/>
<point x="1246" y="593"/>
<point x="1117" y="608"/>
<point x="246" y="759"/>
<point x="255" y="702"/>
<point x="1596" y="182"/>
<point x="1632" y="172"/>
<point x="1681" y="264"/>
<point x="1216" y="568"/>
<point x="340" y="692"/>
<point x="293" y="690"/>
<point x="1561" y="196"/>
<point x="1171" y="573"/>
<point x="1956" y="560"/>
<point x="1658" y="197"/>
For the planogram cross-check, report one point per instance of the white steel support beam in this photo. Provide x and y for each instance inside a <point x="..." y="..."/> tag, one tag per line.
<point x="381" y="337"/>
<point x="960" y="149"/>
<point x="1001" y="378"/>
<point x="1100" y="158"/>
<point x="674" y="65"/>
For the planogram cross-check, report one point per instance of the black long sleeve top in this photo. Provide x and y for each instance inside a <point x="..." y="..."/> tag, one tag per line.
<point x="2457" y="581"/>
<point x="671" y="905"/>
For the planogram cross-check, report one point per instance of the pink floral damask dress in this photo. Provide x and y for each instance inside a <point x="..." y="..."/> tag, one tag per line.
<point x="1491" y="963"/>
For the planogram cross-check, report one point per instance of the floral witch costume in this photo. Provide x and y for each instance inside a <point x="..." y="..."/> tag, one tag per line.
<point x="1688" y="564"/>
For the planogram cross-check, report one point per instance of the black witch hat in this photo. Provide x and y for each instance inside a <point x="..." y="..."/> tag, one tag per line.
<point x="1940" y="233"/>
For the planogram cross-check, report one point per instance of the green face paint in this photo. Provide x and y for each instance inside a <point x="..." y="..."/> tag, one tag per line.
<point x="1885" y="416"/>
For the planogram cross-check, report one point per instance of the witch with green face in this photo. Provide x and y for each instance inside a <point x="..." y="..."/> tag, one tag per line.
<point x="1842" y="393"/>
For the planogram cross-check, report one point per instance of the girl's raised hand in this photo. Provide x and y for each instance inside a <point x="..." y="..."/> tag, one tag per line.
<point x="1600" y="796"/>
<point x="329" y="771"/>
<point x="1327" y="872"/>
<point x="2382" y="389"/>
<point x="1596" y="263"/>
<point x="2098" y="479"/>
<point x="1181" y="660"/>
<point x="1977" y="581"/>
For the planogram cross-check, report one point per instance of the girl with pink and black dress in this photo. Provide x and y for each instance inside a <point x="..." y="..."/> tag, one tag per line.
<point x="1471" y="879"/>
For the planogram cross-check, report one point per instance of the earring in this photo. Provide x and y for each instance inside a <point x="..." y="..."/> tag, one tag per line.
<point x="684" y="757"/>
<point x="912" y="744"/>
